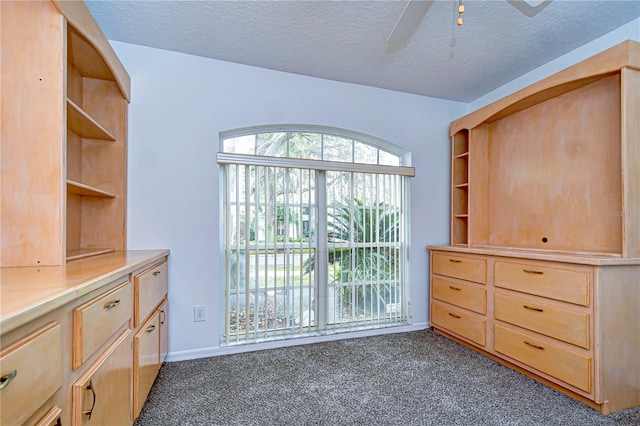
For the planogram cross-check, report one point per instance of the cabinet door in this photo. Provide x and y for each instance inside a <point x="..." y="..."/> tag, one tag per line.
<point x="52" y="418"/>
<point x="164" y="330"/>
<point x="146" y="348"/>
<point x="102" y="396"/>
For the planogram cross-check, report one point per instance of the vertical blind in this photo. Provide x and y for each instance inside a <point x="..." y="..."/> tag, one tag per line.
<point x="314" y="230"/>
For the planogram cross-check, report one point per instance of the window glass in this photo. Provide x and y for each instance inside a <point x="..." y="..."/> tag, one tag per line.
<point x="388" y="159"/>
<point x="365" y="154"/>
<point x="272" y="144"/>
<point x="240" y="145"/>
<point x="311" y="146"/>
<point x="337" y="148"/>
<point x="305" y="145"/>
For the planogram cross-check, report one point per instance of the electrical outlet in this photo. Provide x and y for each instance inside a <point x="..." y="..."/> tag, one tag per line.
<point x="199" y="314"/>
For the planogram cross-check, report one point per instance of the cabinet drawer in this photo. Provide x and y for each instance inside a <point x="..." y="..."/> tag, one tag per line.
<point x="465" y="268"/>
<point x="150" y="287"/>
<point x="31" y="371"/>
<point x="459" y="322"/>
<point x="146" y="354"/>
<point x="560" y="323"/>
<point x="567" y="285"/>
<point x="463" y="295"/>
<point x="570" y="367"/>
<point x="97" y="320"/>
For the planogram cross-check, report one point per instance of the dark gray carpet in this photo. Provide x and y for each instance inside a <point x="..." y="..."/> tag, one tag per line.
<point x="417" y="378"/>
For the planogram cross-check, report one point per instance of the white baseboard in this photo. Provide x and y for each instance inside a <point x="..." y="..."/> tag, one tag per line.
<point x="250" y="347"/>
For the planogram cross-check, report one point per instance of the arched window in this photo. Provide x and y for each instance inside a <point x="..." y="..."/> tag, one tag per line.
<point x="314" y="231"/>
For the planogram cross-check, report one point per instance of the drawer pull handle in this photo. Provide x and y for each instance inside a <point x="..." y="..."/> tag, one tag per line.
<point x="93" y="405"/>
<point x="157" y="273"/>
<point x="455" y="288"/>
<point x="7" y="378"/>
<point x="455" y="261"/>
<point x="454" y="315"/>
<point x="112" y="304"/>
<point x="533" y="309"/>
<point x="529" y="271"/>
<point x="533" y="346"/>
<point x="151" y="328"/>
<point x="163" y="316"/>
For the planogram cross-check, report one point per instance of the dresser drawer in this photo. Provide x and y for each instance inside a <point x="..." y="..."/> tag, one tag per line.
<point x="554" y="282"/>
<point x="150" y="288"/>
<point x="97" y="320"/>
<point x="465" y="268"/>
<point x="570" y="367"/>
<point x="459" y="294"/>
<point x="458" y="321"/>
<point x="31" y="371"/>
<point x="560" y="323"/>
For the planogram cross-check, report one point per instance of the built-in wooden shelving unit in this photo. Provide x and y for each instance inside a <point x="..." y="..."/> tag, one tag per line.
<point x="64" y="188"/>
<point x="460" y="187"/>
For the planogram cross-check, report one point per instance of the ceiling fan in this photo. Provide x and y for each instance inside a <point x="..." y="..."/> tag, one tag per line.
<point x="416" y="10"/>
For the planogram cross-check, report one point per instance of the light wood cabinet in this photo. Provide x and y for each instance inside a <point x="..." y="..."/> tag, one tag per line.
<point x="63" y="202"/>
<point x="568" y="283"/>
<point x="146" y="353"/>
<point x="543" y="270"/>
<point x="150" y="288"/>
<point x="51" y="418"/>
<point x="64" y="136"/>
<point x="566" y="365"/>
<point x="102" y="395"/>
<point x="96" y="321"/>
<point x="67" y="340"/>
<point x="459" y="321"/>
<point x="31" y="372"/>
<point x="150" y="342"/>
<point x="463" y="267"/>
<point x="575" y="328"/>
<point x="164" y="329"/>
<point x="540" y="315"/>
<point x="459" y="295"/>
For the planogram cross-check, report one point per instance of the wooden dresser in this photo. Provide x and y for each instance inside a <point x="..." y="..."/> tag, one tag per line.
<point x="543" y="270"/>
<point x="71" y="348"/>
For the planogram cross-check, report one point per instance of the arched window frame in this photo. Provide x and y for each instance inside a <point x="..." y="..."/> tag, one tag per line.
<point x="404" y="156"/>
<point x="403" y="170"/>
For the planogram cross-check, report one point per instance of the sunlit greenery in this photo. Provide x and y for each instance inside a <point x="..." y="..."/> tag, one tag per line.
<point x="350" y="227"/>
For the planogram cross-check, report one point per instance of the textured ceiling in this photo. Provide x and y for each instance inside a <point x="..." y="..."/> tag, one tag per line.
<point x="346" y="40"/>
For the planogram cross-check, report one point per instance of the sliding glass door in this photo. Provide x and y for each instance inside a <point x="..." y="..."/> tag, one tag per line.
<point x="311" y="246"/>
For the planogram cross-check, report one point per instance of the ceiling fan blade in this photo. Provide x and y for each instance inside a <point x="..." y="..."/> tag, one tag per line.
<point x="529" y="7"/>
<point x="407" y="24"/>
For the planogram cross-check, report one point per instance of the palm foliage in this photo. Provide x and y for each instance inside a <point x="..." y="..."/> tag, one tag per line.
<point x="361" y="255"/>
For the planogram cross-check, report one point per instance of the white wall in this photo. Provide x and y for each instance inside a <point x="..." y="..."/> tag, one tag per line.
<point x="630" y="31"/>
<point x="179" y="105"/>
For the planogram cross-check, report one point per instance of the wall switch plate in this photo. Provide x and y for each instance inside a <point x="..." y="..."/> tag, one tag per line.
<point x="199" y="314"/>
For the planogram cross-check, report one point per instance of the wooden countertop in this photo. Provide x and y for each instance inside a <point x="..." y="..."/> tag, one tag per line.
<point x="554" y="256"/>
<point x="27" y="293"/>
